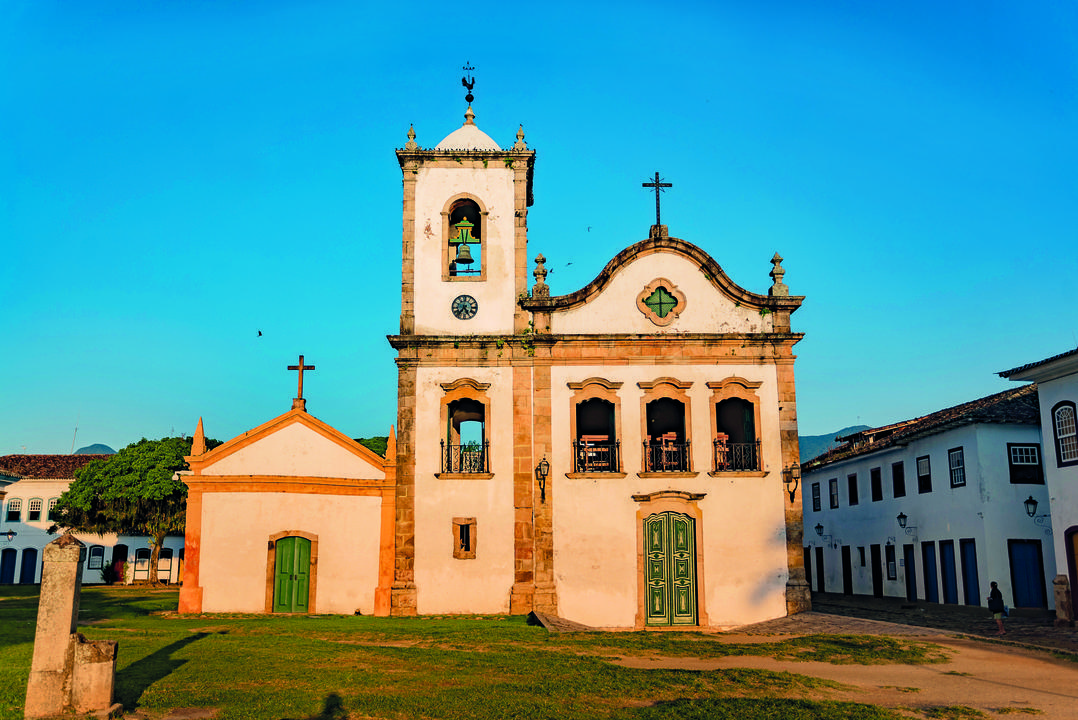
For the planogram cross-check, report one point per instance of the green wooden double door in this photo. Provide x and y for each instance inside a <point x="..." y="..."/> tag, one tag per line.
<point x="670" y="558"/>
<point x="292" y="575"/>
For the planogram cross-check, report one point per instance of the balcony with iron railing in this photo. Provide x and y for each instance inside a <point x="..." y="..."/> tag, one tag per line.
<point x="596" y="456"/>
<point x="469" y="458"/>
<point x="736" y="457"/>
<point x="666" y="456"/>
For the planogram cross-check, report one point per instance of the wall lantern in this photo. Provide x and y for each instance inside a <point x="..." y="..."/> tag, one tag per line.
<point x="10" y="535"/>
<point x="827" y="539"/>
<point x="819" y="529"/>
<point x="902" y="520"/>
<point x="791" y="476"/>
<point x="1031" y="506"/>
<point x="541" y="471"/>
<point x="1044" y="520"/>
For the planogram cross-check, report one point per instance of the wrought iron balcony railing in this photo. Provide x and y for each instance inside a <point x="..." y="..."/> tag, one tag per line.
<point x="730" y="456"/>
<point x="666" y="456"/>
<point x="596" y="456"/>
<point x="467" y="458"/>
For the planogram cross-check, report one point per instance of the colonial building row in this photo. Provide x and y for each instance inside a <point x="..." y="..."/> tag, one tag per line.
<point x="30" y="486"/>
<point x="935" y="508"/>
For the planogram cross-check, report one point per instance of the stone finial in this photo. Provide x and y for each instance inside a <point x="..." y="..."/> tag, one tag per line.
<point x="198" y="442"/>
<point x="659" y="231"/>
<point x="391" y="445"/>
<point x="411" y="145"/>
<point x="540" y="289"/>
<point x="778" y="289"/>
<point x="469" y="116"/>
<point x="520" y="144"/>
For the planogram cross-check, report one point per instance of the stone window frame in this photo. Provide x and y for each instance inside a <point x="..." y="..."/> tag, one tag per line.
<point x="271" y="567"/>
<point x="650" y="314"/>
<point x="742" y="389"/>
<point x="465" y="389"/>
<point x="597" y="388"/>
<point x="673" y="389"/>
<point x="686" y="503"/>
<point x="459" y="551"/>
<point x="447" y="208"/>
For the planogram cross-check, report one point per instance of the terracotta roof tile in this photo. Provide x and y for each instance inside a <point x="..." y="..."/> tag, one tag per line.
<point x="1017" y="406"/>
<point x="45" y="467"/>
<point x="1028" y="366"/>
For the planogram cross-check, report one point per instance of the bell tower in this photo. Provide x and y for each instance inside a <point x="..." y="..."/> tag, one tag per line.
<point x="464" y="239"/>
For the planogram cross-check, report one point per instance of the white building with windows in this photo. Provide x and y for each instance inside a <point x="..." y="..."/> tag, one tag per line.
<point x="935" y="508"/>
<point x="30" y="485"/>
<point x="1057" y="383"/>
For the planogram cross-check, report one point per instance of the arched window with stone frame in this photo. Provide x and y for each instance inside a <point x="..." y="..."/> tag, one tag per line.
<point x="667" y="431"/>
<point x="595" y="426"/>
<point x="465" y="415"/>
<point x="735" y="426"/>
<point x="464" y="223"/>
<point x="1065" y="429"/>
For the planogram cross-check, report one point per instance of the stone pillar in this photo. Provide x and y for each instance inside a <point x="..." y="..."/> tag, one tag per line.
<point x="1064" y="601"/>
<point x="67" y="672"/>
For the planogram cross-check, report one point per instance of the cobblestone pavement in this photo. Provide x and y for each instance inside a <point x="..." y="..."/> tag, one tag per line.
<point x="845" y="614"/>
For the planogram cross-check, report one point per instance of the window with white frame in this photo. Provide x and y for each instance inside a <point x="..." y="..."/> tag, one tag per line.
<point x="52" y="508"/>
<point x="14" y="510"/>
<point x="1024" y="464"/>
<point x="33" y="510"/>
<point x="832" y="487"/>
<point x="816" y="497"/>
<point x="956" y="461"/>
<point x="924" y="475"/>
<point x="1066" y="433"/>
<point x="97" y="558"/>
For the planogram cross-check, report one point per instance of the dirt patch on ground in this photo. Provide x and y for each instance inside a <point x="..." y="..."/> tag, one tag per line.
<point x="987" y="677"/>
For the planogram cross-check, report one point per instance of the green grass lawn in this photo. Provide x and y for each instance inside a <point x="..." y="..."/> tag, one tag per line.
<point x="274" y="667"/>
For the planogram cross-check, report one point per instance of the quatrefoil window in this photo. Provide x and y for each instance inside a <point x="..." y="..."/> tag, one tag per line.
<point x="661" y="301"/>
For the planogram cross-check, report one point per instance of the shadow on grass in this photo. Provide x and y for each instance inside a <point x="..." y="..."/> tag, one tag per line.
<point x="758" y="709"/>
<point x="332" y="709"/>
<point x="133" y="680"/>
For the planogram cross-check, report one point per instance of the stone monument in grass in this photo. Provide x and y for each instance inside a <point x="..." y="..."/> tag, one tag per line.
<point x="68" y="672"/>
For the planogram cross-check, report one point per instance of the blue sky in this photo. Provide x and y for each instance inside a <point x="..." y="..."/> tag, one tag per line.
<point x="175" y="177"/>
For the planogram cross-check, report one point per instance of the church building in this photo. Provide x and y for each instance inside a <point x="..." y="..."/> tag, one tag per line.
<point x="623" y="456"/>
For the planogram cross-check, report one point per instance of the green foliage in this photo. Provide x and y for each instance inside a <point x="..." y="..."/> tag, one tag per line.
<point x="378" y="443"/>
<point x="134" y="492"/>
<point x="954" y="712"/>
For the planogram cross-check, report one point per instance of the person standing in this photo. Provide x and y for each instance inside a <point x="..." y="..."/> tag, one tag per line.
<point x="996" y="607"/>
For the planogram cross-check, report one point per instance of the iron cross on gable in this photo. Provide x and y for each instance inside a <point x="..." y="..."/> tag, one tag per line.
<point x="301" y="367"/>
<point x="658" y="184"/>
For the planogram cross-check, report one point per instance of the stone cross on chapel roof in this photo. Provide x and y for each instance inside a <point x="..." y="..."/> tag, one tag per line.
<point x="299" y="402"/>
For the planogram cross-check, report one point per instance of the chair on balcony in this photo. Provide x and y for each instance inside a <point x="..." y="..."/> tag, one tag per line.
<point x="595" y="453"/>
<point x="670" y="453"/>
<point x="722" y="451"/>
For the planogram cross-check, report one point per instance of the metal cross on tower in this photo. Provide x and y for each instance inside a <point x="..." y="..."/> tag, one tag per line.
<point x="658" y="184"/>
<point x="299" y="402"/>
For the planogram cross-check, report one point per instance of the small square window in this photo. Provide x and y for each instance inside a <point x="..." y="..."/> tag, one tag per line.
<point x="832" y="486"/>
<point x="464" y="538"/>
<point x="1024" y="463"/>
<point x="875" y="476"/>
<point x="957" y="463"/>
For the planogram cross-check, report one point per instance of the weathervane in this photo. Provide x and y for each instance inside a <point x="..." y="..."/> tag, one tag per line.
<point x="468" y="81"/>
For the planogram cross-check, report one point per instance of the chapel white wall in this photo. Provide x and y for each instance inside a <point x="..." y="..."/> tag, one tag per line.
<point x="296" y="450"/>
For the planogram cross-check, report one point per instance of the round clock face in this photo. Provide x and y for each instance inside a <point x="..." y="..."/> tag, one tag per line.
<point x="465" y="307"/>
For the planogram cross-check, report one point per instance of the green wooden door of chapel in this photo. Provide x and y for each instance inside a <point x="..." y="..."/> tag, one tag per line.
<point x="292" y="576"/>
<point x="670" y="550"/>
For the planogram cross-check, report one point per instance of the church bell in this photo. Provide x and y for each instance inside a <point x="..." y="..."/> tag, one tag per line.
<point x="464" y="254"/>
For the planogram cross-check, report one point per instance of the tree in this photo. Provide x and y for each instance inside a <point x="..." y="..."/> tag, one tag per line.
<point x="134" y="492"/>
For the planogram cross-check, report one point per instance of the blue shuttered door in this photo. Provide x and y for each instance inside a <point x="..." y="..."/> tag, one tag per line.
<point x="1027" y="573"/>
<point x="948" y="572"/>
<point x="970" y="579"/>
<point x="7" y="565"/>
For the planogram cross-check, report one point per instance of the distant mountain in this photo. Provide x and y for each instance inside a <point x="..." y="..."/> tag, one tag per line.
<point x="813" y="445"/>
<point x="95" y="449"/>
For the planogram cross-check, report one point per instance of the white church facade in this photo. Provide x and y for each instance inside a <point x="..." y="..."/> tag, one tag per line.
<point x="624" y="456"/>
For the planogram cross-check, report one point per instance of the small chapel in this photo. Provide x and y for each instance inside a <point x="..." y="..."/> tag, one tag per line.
<point x="624" y="456"/>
